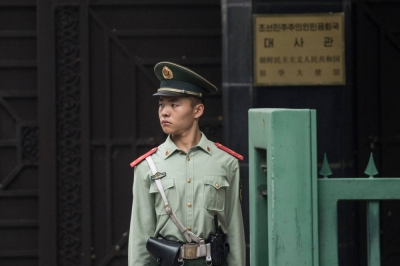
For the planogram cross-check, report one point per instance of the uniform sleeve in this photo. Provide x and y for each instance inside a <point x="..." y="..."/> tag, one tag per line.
<point x="235" y="232"/>
<point x="143" y="219"/>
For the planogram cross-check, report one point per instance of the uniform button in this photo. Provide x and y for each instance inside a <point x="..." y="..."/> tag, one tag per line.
<point x="217" y="185"/>
<point x="189" y="180"/>
<point x="188" y="158"/>
<point x="189" y="228"/>
<point x="189" y="204"/>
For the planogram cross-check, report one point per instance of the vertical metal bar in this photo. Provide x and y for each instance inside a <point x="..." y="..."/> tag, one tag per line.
<point x="85" y="136"/>
<point x="47" y="133"/>
<point x="108" y="147"/>
<point x="373" y="234"/>
<point x="328" y="230"/>
<point x="314" y="187"/>
<point x="258" y="209"/>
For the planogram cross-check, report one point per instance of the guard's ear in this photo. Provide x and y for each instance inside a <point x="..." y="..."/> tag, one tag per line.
<point x="198" y="110"/>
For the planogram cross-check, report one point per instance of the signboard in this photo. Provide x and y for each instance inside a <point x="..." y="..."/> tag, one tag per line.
<point x="299" y="49"/>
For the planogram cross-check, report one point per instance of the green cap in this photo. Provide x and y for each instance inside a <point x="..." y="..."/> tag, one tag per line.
<point x="177" y="80"/>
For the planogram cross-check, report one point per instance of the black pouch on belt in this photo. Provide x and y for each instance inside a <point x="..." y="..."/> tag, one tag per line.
<point x="166" y="252"/>
<point x="219" y="247"/>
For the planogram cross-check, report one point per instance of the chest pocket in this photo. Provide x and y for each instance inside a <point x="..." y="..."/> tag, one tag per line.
<point x="169" y="188"/>
<point x="214" y="192"/>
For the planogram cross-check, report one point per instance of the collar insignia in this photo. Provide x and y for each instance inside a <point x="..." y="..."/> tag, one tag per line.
<point x="158" y="175"/>
<point x="167" y="73"/>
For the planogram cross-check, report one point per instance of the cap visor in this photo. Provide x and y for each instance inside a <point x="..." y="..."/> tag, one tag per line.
<point x="168" y="93"/>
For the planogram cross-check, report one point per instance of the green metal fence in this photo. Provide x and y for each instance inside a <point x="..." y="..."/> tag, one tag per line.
<point x="293" y="213"/>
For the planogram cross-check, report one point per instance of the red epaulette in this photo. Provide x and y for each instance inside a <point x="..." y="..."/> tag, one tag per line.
<point x="231" y="152"/>
<point x="144" y="156"/>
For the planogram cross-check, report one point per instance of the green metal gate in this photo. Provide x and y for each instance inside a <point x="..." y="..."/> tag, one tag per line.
<point x="293" y="213"/>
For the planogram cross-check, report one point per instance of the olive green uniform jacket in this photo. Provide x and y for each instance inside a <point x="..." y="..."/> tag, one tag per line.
<point x="197" y="184"/>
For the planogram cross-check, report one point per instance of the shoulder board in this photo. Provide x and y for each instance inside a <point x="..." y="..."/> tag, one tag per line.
<point x="231" y="152"/>
<point x="144" y="156"/>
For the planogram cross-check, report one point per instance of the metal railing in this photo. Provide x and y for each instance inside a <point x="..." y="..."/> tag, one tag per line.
<point x="293" y="213"/>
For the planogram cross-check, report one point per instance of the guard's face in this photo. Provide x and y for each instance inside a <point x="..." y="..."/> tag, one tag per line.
<point x="176" y="114"/>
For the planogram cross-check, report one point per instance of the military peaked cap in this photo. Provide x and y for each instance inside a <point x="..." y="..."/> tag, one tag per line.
<point x="177" y="80"/>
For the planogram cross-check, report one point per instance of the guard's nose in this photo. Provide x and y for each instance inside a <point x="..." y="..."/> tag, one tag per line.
<point x="164" y="112"/>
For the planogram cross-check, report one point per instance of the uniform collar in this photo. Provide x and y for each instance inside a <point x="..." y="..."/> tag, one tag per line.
<point x="205" y="144"/>
<point x="170" y="147"/>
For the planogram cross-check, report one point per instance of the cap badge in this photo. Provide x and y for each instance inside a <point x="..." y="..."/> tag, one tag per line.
<point x="167" y="73"/>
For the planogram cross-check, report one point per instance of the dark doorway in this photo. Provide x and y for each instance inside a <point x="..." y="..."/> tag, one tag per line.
<point x="76" y="109"/>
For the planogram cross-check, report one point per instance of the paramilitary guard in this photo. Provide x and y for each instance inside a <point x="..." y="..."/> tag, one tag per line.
<point x="186" y="208"/>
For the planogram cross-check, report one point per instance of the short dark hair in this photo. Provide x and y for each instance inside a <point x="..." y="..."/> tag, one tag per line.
<point x="195" y="101"/>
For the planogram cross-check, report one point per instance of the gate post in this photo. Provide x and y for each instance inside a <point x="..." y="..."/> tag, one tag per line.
<point x="283" y="187"/>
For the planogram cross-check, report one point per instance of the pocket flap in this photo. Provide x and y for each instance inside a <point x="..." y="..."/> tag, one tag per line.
<point x="216" y="181"/>
<point x="167" y="183"/>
